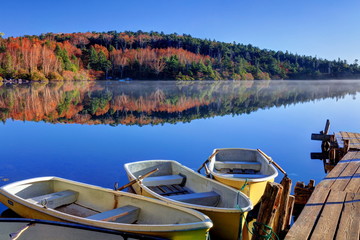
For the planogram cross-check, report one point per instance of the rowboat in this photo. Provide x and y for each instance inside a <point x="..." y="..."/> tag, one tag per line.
<point x="244" y="169"/>
<point x="181" y="186"/>
<point x="57" y="199"/>
<point x="28" y="229"/>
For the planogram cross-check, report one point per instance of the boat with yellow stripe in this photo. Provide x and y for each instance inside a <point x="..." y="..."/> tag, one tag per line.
<point x="178" y="185"/>
<point x="58" y="199"/>
<point x="245" y="169"/>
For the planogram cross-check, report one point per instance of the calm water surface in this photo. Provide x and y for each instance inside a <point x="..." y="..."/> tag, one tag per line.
<point x="86" y="131"/>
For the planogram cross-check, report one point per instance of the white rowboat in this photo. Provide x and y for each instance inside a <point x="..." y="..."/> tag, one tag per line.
<point x="180" y="186"/>
<point x="57" y="199"/>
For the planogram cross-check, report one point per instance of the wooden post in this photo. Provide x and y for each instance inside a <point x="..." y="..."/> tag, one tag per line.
<point x="317" y="155"/>
<point x="290" y="207"/>
<point x="321" y="137"/>
<point x="269" y="205"/>
<point x="302" y="192"/>
<point x="327" y="126"/>
<point x="280" y="223"/>
<point x="287" y="219"/>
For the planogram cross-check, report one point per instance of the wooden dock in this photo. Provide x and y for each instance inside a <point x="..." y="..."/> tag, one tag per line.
<point x="333" y="210"/>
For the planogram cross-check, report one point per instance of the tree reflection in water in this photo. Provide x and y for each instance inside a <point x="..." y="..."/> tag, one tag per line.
<point x="156" y="102"/>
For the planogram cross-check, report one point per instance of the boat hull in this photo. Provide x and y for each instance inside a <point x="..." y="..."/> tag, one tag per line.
<point x="227" y="225"/>
<point x="254" y="190"/>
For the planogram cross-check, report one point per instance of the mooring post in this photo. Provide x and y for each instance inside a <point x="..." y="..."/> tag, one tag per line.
<point x="269" y="206"/>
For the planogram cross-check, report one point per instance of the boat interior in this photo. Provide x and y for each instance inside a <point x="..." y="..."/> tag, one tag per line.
<point x="242" y="163"/>
<point x="93" y="203"/>
<point x="179" y="183"/>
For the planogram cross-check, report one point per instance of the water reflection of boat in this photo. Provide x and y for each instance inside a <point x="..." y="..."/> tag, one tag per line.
<point x="243" y="169"/>
<point x="27" y="229"/>
<point x="181" y="186"/>
<point x="58" y="199"/>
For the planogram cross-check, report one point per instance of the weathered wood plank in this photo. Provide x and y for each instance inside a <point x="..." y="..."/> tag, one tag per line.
<point x="302" y="192"/>
<point x="349" y="155"/>
<point x="346" y="176"/>
<point x="354" y="183"/>
<point x="320" y="137"/>
<point x="280" y="222"/>
<point x="269" y="204"/>
<point x="319" y="155"/>
<point x="290" y="207"/>
<point x="327" y="126"/>
<point x="328" y="181"/>
<point x="339" y="139"/>
<point x="354" y="139"/>
<point x="349" y="225"/>
<point x="303" y="226"/>
<point x="328" y="221"/>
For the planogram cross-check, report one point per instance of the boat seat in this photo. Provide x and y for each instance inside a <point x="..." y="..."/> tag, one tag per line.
<point x="125" y="214"/>
<point x="167" y="190"/>
<point x="239" y="165"/>
<point x="202" y="198"/>
<point x="56" y="199"/>
<point x="164" y="180"/>
<point x="243" y="175"/>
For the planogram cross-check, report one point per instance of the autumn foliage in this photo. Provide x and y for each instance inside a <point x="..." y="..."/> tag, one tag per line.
<point x="140" y="55"/>
<point x="80" y="57"/>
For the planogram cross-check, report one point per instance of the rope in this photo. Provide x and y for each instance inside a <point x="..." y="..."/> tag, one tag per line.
<point x="260" y="230"/>
<point x="245" y="184"/>
<point x="267" y="231"/>
<point x="15" y="236"/>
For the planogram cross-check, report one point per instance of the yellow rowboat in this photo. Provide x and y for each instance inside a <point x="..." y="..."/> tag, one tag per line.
<point x="57" y="199"/>
<point x="181" y="186"/>
<point x="243" y="169"/>
<point x="34" y="229"/>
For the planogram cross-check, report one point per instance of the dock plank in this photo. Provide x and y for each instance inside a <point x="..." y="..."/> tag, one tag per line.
<point x="354" y="184"/>
<point x="329" y="180"/>
<point x="303" y="226"/>
<point x="349" y="225"/>
<point x="354" y="139"/>
<point x="349" y="156"/>
<point x="333" y="210"/>
<point x="346" y="176"/>
<point x="326" y="226"/>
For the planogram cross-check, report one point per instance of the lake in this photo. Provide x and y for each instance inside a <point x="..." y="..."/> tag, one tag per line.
<point x="86" y="131"/>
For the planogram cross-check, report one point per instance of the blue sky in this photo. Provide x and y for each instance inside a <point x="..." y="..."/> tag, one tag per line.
<point x="325" y="28"/>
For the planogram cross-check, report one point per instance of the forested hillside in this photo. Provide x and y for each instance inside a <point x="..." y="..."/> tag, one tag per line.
<point x="141" y="55"/>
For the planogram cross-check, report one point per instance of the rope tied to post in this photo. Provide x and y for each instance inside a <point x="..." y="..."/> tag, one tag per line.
<point x="267" y="231"/>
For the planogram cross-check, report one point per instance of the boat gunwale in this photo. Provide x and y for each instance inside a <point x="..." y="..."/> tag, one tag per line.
<point x="189" y="205"/>
<point x="239" y="179"/>
<point x="204" y="223"/>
